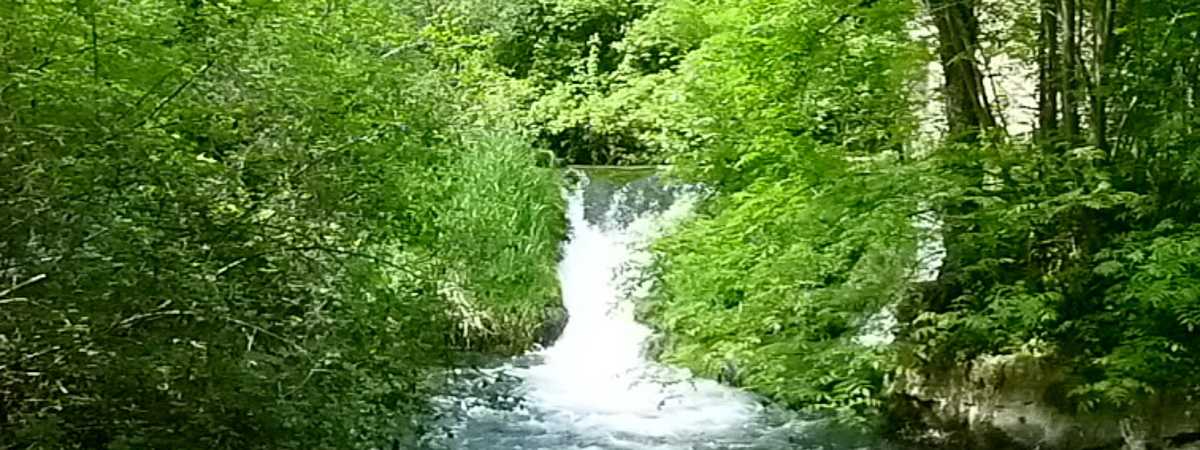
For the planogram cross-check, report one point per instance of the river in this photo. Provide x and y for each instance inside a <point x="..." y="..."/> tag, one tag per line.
<point x="594" y="388"/>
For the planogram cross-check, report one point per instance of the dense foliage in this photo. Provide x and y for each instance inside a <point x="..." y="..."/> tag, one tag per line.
<point x="803" y="121"/>
<point x="260" y="224"/>
<point x="250" y="224"/>
<point x="1076" y="245"/>
<point x="1069" y="232"/>
<point x="1072" y="244"/>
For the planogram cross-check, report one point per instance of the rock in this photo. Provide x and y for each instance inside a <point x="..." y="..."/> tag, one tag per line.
<point x="1001" y="402"/>
<point x="729" y="373"/>
<point x="654" y="347"/>
<point x="553" y="323"/>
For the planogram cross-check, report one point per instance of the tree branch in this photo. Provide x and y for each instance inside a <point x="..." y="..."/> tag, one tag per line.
<point x="174" y="94"/>
<point x="34" y="279"/>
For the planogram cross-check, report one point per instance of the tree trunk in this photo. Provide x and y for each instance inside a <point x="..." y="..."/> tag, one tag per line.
<point x="1070" y="79"/>
<point x="1104" y="47"/>
<point x="969" y="116"/>
<point x="968" y="111"/>
<point x="1048" y="72"/>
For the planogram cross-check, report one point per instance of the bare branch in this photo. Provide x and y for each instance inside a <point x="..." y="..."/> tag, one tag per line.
<point x="35" y="279"/>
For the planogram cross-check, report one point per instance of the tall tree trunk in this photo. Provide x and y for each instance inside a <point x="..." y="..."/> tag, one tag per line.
<point x="968" y="111"/>
<point x="969" y="116"/>
<point x="1104" y="48"/>
<point x="1048" y="74"/>
<point x="1070" y="78"/>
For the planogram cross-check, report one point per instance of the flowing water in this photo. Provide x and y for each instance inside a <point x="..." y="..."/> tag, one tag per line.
<point x="594" y="388"/>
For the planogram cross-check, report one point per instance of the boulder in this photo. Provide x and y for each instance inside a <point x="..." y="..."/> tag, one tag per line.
<point x="1004" y="402"/>
<point x="553" y="323"/>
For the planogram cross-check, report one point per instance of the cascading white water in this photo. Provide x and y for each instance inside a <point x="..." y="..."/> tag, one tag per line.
<point x="595" y="375"/>
<point x="594" y="388"/>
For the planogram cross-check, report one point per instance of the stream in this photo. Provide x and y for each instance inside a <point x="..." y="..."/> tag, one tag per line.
<point x="595" y="388"/>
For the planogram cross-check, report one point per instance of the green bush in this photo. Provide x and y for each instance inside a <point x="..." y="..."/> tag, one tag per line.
<point x="241" y="224"/>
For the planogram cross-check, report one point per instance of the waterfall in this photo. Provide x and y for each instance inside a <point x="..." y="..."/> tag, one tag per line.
<point x="594" y="388"/>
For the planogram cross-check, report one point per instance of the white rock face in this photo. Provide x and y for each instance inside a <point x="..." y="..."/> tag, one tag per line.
<point x="1009" y="394"/>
